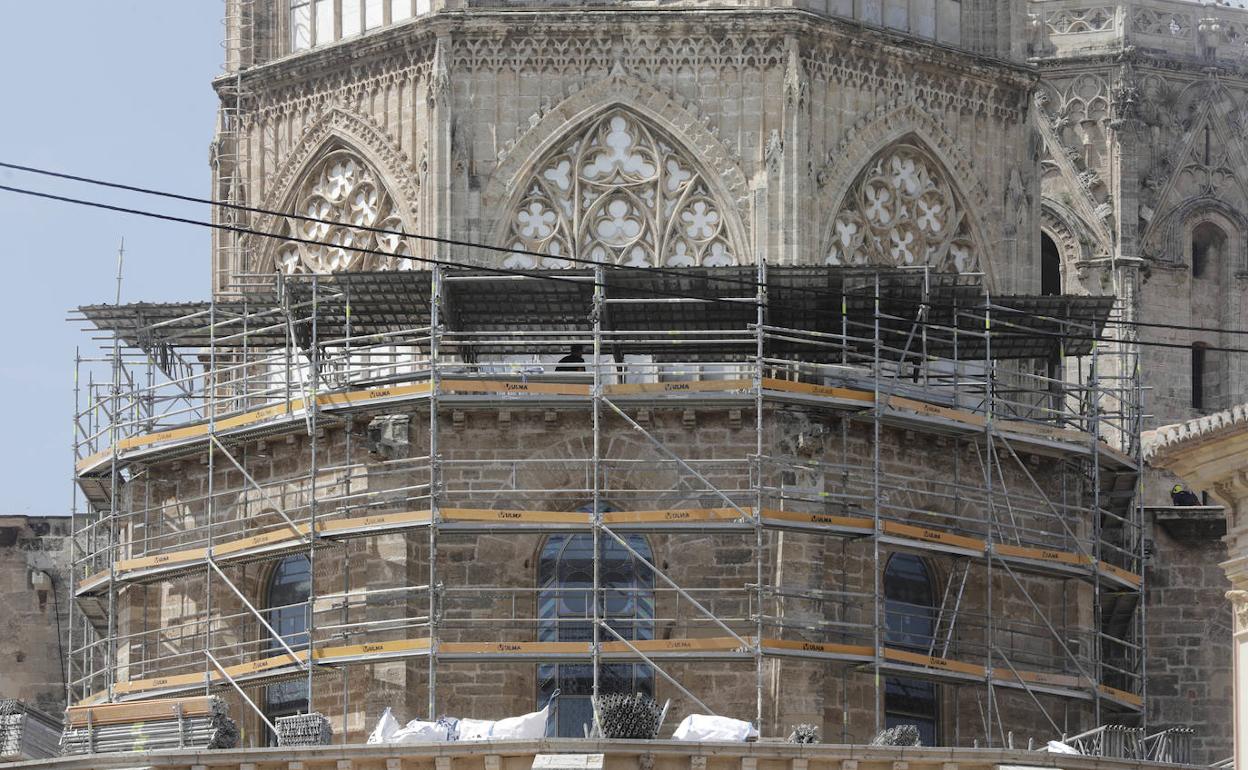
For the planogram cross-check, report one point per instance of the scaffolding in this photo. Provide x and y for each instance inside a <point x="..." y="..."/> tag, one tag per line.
<point x="1037" y="407"/>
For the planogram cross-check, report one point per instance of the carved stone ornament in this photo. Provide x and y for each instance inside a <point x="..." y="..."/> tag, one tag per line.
<point x="903" y="211"/>
<point x="618" y="192"/>
<point x="343" y="193"/>
<point x="1239" y="602"/>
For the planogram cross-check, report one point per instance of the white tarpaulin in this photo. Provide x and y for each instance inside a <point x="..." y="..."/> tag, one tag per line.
<point x="704" y="727"/>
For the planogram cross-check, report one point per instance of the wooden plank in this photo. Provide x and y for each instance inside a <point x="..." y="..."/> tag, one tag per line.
<point x="931" y="410"/>
<point x="503" y="515"/>
<point x="696" y="386"/>
<point x="161" y="560"/>
<point x="395" y="647"/>
<point x="864" y="397"/>
<point x="161" y="682"/>
<point x="931" y="661"/>
<point x="1121" y="574"/>
<point x="260" y="415"/>
<point x="91" y="460"/>
<point x="264" y="665"/>
<point x="94" y="581"/>
<point x="514" y="648"/>
<point x="1049" y="432"/>
<point x="676" y="515"/>
<point x="354" y="397"/>
<point x="138" y="711"/>
<point x="377" y="520"/>
<point x="511" y="386"/>
<point x="708" y="644"/>
<point x="832" y="650"/>
<point x="848" y="522"/>
<point x="1037" y="677"/>
<point x="276" y="537"/>
<point x="1122" y="696"/>
<point x="1041" y="554"/>
<point x="930" y="535"/>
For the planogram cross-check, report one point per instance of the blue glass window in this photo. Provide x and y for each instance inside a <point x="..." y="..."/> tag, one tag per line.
<point x="286" y="597"/>
<point x="910" y="623"/>
<point x="565" y="581"/>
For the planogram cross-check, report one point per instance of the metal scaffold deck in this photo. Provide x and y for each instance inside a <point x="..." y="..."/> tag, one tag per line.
<point x="1036" y="404"/>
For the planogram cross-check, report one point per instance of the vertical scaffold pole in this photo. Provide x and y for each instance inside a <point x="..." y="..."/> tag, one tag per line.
<point x="876" y="527"/>
<point x="760" y="318"/>
<point x="313" y="408"/>
<point x="990" y="381"/>
<point x="70" y="654"/>
<point x="435" y="481"/>
<point x="1094" y="429"/>
<point x="596" y="468"/>
<point x="209" y="385"/>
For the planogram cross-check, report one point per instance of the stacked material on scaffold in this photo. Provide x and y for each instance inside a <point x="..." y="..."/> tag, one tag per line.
<point x="304" y="730"/>
<point x="27" y="733"/>
<point x="169" y="723"/>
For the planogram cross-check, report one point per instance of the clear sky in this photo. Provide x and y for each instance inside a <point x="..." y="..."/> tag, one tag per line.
<point x="119" y="90"/>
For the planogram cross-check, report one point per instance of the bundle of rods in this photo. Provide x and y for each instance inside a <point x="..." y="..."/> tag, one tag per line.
<point x="304" y="730"/>
<point x="190" y="723"/>
<point x="26" y="733"/>
<point x="628" y="716"/>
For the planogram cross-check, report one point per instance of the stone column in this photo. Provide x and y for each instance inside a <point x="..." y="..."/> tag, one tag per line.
<point x="1239" y="601"/>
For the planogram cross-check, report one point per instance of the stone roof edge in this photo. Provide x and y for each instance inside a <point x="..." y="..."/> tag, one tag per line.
<point x="1168" y="438"/>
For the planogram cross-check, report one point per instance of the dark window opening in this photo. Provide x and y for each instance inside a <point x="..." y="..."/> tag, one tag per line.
<point x="1208" y="246"/>
<point x="1050" y="267"/>
<point x="910" y="623"/>
<point x="1198" y="376"/>
<point x="626" y="604"/>
<point x="286" y="597"/>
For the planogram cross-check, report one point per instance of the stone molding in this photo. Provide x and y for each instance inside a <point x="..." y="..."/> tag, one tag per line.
<point x="1169" y="439"/>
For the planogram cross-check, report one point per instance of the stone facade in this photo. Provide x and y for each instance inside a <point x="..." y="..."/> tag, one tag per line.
<point x="34" y="571"/>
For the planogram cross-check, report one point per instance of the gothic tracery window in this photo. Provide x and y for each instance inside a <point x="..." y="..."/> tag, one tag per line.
<point x="618" y="192"/>
<point x="903" y="211"/>
<point x="340" y="195"/>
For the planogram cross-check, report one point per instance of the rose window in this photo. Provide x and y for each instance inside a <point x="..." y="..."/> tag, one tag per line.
<point x="618" y="192"/>
<point x="343" y="195"/>
<point x="903" y="211"/>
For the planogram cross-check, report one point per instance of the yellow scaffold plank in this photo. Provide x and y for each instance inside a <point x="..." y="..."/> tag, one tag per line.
<point x="782" y="646"/>
<point x="357" y="397"/>
<point x="504" y="515"/>
<point x="707" y="644"/>
<point x="676" y="515"/>
<point x="391" y="648"/>
<point x="170" y="559"/>
<point x="925" y="409"/>
<point x="1124" y="575"/>
<point x="932" y="662"/>
<point x="376" y="521"/>
<point x="1041" y="554"/>
<point x="1063" y="435"/>
<point x="695" y="386"/>
<point x="514" y="386"/>
<point x="162" y="683"/>
<point x="819" y="519"/>
<point x="863" y="397"/>
<point x="1038" y="678"/>
<point x="930" y="535"/>
<point x="91" y="461"/>
<point x="1122" y="696"/>
<point x="80" y="715"/>
<point x="513" y="648"/>
<point x="276" y="539"/>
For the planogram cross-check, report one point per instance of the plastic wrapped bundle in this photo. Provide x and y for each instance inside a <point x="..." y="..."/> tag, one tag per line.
<point x="26" y="733"/>
<point x="901" y="735"/>
<point x="304" y="730"/>
<point x="804" y="733"/>
<point x="629" y="716"/>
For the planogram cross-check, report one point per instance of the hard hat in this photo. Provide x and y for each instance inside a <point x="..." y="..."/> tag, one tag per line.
<point x="1176" y="488"/>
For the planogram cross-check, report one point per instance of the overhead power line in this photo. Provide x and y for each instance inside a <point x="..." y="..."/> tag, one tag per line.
<point x="753" y="285"/>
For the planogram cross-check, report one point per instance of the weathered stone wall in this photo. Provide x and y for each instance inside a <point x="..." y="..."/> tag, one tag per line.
<point x="538" y="459"/>
<point x="34" y="574"/>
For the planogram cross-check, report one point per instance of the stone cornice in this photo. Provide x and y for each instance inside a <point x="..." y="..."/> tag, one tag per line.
<point x="391" y="53"/>
<point x="1168" y="440"/>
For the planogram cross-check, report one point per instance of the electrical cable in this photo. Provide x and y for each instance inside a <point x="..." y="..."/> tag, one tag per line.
<point x="752" y="284"/>
<point x="585" y="282"/>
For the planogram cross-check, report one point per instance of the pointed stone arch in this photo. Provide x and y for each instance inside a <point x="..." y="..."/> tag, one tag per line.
<point x="916" y="136"/>
<point x="903" y="209"/>
<point x="619" y="172"/>
<point x="346" y="170"/>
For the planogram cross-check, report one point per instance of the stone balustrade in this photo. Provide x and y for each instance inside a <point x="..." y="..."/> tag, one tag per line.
<point x="1179" y="27"/>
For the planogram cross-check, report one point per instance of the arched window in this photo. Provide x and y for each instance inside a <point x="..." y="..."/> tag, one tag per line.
<point x="1208" y="248"/>
<point x="1050" y="267"/>
<point x="286" y="598"/>
<point x="565" y="581"/>
<point x="1200" y="378"/>
<point x="910" y="623"/>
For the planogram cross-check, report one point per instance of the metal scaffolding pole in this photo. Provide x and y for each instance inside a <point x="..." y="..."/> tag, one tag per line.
<point x="435" y="477"/>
